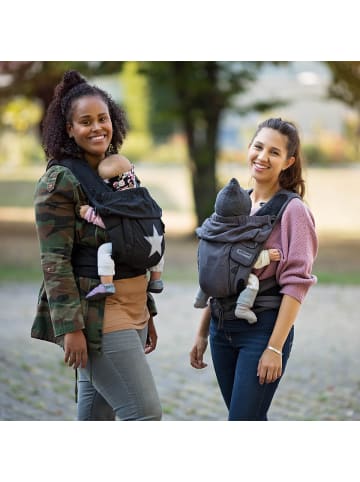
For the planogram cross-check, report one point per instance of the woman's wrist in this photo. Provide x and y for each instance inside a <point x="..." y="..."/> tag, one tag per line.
<point x="273" y="349"/>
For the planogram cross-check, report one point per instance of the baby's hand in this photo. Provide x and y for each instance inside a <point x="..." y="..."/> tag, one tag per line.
<point x="83" y="210"/>
<point x="274" y="255"/>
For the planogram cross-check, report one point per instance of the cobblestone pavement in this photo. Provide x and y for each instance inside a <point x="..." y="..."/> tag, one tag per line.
<point x="322" y="381"/>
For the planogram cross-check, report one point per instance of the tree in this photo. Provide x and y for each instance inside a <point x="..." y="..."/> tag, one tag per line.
<point x="345" y="86"/>
<point x="191" y="95"/>
<point x="197" y="95"/>
<point x="37" y="79"/>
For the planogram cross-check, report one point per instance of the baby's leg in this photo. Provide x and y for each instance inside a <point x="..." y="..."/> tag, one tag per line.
<point x="246" y="300"/>
<point x="106" y="271"/>
<point x="106" y="265"/>
<point x="155" y="284"/>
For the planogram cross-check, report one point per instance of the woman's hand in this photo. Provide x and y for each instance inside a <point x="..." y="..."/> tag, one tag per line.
<point x="75" y="349"/>
<point x="269" y="367"/>
<point x="152" y="337"/>
<point x="197" y="352"/>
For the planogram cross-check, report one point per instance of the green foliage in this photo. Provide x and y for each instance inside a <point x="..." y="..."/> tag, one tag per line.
<point x="137" y="146"/>
<point x="318" y="156"/>
<point x="135" y="97"/>
<point x="345" y="83"/>
<point x="20" y="149"/>
<point x="136" y="103"/>
<point x="37" y="79"/>
<point x="330" y="149"/>
<point x="192" y="97"/>
<point x="21" y="114"/>
<point x="173" y="151"/>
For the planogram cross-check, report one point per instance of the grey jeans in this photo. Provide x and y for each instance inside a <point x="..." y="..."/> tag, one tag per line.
<point x="118" y="383"/>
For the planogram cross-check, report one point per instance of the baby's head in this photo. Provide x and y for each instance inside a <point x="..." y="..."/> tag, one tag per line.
<point x="232" y="200"/>
<point x="113" y="166"/>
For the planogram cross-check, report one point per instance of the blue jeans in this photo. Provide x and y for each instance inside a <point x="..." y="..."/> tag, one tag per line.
<point x="235" y="356"/>
<point x="118" y="382"/>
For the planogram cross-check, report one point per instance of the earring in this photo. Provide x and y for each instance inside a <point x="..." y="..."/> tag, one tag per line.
<point x="110" y="150"/>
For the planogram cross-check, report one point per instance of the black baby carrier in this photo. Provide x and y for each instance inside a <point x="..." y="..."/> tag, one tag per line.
<point x="132" y="217"/>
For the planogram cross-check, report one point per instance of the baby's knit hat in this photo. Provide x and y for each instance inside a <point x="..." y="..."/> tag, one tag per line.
<point x="232" y="200"/>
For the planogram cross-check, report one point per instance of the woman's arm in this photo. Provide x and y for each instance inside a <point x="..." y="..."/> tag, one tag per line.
<point x="299" y="246"/>
<point x="270" y="363"/>
<point x="201" y="340"/>
<point x="152" y="337"/>
<point x="55" y="200"/>
<point x="88" y="213"/>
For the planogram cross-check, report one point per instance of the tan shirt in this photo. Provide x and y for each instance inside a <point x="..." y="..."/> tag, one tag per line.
<point x="127" y="309"/>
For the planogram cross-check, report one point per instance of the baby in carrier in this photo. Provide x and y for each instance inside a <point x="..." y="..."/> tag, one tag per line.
<point x="119" y="173"/>
<point x="233" y="201"/>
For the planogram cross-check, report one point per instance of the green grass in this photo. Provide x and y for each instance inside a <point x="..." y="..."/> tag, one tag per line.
<point x="11" y="273"/>
<point x="185" y="274"/>
<point x="327" y="277"/>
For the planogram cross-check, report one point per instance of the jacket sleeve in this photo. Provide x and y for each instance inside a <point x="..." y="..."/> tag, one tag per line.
<point x="56" y="196"/>
<point x="299" y="244"/>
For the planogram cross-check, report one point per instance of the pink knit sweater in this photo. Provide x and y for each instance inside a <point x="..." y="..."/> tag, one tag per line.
<point x="296" y="239"/>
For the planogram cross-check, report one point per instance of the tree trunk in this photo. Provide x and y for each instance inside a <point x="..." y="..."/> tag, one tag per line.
<point x="200" y="113"/>
<point x="202" y="147"/>
<point x="204" y="190"/>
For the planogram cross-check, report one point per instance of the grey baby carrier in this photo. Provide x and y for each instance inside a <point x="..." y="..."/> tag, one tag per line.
<point x="229" y="247"/>
<point x="230" y="241"/>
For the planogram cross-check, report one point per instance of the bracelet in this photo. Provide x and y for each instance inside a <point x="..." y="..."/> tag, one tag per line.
<point x="274" y="350"/>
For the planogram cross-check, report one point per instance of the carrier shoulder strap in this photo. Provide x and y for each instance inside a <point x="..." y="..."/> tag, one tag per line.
<point x="276" y="205"/>
<point x="88" y="178"/>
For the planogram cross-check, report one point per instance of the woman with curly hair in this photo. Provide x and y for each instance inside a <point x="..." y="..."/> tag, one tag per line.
<point x="106" y="339"/>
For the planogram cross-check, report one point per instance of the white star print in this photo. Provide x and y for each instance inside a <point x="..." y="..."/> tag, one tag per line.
<point x="155" y="240"/>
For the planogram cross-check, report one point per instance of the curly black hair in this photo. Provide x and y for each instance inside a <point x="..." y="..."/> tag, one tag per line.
<point x="55" y="140"/>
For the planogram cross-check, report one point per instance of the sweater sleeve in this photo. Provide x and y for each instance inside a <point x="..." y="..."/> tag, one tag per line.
<point x="299" y="245"/>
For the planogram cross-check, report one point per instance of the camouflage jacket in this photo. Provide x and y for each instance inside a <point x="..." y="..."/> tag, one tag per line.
<point x="62" y="307"/>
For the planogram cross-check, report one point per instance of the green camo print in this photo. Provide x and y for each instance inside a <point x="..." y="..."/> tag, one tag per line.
<point x="62" y="307"/>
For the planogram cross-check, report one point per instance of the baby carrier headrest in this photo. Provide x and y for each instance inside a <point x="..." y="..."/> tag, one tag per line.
<point x="232" y="200"/>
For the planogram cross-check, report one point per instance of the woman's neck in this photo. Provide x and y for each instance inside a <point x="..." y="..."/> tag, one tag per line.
<point x="263" y="193"/>
<point x="93" y="161"/>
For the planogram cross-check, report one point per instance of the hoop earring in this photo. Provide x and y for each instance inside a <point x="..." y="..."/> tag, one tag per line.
<point x="111" y="150"/>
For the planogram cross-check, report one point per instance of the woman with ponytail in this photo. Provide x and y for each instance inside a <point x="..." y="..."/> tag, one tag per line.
<point x="250" y="359"/>
<point x="104" y="340"/>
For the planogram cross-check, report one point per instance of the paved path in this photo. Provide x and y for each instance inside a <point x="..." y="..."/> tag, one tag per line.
<point x="322" y="381"/>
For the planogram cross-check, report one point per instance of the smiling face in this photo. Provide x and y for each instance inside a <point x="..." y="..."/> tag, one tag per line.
<point x="91" y="127"/>
<point x="268" y="156"/>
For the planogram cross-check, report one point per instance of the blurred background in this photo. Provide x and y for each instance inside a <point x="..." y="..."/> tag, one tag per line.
<point x="189" y="126"/>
